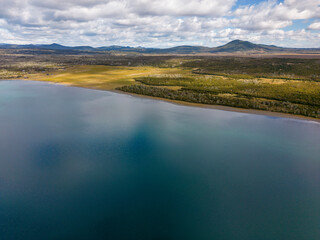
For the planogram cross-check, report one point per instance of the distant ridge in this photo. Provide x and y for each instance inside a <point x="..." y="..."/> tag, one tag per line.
<point x="238" y="45"/>
<point x="231" y="47"/>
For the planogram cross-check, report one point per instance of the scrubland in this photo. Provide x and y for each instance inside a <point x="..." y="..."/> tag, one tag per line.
<point x="285" y="85"/>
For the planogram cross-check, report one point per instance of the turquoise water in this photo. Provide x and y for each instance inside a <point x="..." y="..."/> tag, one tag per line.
<point x="85" y="164"/>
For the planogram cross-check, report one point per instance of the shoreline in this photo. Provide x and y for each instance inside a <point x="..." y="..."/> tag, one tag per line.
<point x="221" y="107"/>
<point x="189" y="104"/>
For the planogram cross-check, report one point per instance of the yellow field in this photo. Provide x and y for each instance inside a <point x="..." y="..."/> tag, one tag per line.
<point x="102" y="77"/>
<point x="111" y="77"/>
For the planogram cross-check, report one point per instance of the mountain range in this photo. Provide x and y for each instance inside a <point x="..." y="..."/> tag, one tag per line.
<point x="231" y="47"/>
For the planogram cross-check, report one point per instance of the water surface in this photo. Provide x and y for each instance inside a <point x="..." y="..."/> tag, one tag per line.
<point x="85" y="164"/>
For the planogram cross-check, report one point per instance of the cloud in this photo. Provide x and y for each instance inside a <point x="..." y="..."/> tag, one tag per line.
<point x="181" y="7"/>
<point x="66" y="4"/>
<point x="293" y="9"/>
<point x="157" y="23"/>
<point x="314" y="26"/>
<point x="81" y="13"/>
<point x="273" y="15"/>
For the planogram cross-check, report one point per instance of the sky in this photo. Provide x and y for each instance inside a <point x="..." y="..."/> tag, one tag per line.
<point x="160" y="23"/>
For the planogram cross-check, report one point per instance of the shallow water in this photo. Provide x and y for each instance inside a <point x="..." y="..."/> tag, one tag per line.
<point x="86" y="164"/>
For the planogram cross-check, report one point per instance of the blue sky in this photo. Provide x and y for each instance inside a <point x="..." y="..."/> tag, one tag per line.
<point x="160" y="23"/>
<point x="248" y="2"/>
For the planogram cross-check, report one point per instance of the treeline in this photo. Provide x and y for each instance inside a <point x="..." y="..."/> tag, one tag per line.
<point x="212" y="99"/>
<point x="299" y="92"/>
<point x="12" y="57"/>
<point x="286" y="68"/>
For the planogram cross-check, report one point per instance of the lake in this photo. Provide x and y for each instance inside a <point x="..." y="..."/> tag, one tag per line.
<point x="86" y="164"/>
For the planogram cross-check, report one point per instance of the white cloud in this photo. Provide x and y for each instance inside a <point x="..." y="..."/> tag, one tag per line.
<point x="314" y="26"/>
<point x="181" y="7"/>
<point x="80" y="13"/>
<point x="274" y="15"/>
<point x="157" y="23"/>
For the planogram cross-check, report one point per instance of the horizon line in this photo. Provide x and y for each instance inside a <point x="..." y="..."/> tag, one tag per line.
<point x="128" y="46"/>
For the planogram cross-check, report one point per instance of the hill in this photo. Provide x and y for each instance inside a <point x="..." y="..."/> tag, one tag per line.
<point x="234" y="46"/>
<point x="243" y="46"/>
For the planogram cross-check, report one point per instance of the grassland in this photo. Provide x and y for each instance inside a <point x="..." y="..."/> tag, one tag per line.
<point x="103" y="77"/>
<point x="305" y="69"/>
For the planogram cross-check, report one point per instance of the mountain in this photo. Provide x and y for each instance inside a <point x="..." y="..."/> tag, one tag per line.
<point x="118" y="48"/>
<point x="185" y="50"/>
<point x="245" y="46"/>
<point x="231" y="47"/>
<point x="242" y="46"/>
<point x="56" y="46"/>
<point x="53" y="46"/>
